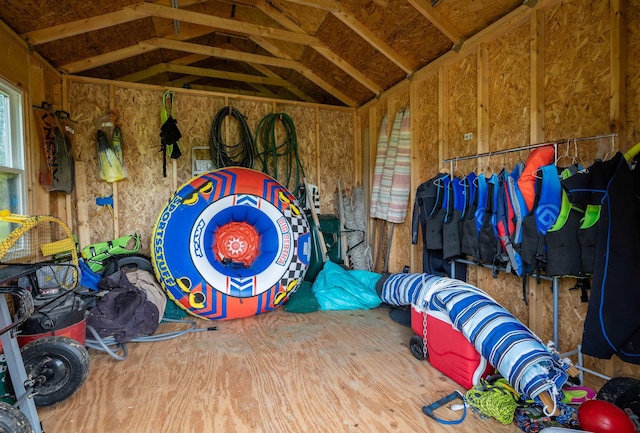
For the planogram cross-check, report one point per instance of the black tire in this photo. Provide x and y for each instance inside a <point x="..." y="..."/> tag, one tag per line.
<point x="12" y="420"/>
<point x="58" y="366"/>
<point x="128" y="261"/>
<point x="624" y="392"/>
<point x="416" y="344"/>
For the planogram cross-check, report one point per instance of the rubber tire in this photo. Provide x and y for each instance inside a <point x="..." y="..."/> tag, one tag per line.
<point x="12" y="420"/>
<point x="62" y="361"/>
<point x="416" y="344"/>
<point x="623" y="392"/>
<point x="128" y="261"/>
<point x="615" y="387"/>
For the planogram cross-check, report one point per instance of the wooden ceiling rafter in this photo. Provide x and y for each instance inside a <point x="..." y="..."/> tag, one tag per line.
<point x="225" y="75"/>
<point x="438" y="20"/>
<point x="298" y="35"/>
<point x="110" y="57"/>
<point x="349" y="19"/>
<point x="250" y="58"/>
<point x="194" y="58"/>
<point x="308" y="74"/>
<point x="291" y="87"/>
<point x="321" y="48"/>
<point x="229" y="25"/>
<point x="86" y="25"/>
<point x="162" y="9"/>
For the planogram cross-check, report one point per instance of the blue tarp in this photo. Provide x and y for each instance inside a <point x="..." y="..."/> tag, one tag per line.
<point x="338" y="289"/>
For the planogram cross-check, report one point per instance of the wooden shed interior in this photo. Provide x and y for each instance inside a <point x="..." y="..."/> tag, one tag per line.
<point x="481" y="77"/>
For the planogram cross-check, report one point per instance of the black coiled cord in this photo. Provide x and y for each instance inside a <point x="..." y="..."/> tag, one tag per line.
<point x="241" y="154"/>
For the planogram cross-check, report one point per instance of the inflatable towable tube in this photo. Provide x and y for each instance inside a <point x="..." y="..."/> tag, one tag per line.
<point x="231" y="243"/>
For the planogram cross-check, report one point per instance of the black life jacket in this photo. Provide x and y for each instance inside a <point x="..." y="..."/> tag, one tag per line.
<point x="561" y="240"/>
<point x="451" y="226"/>
<point x="468" y="230"/>
<point x="487" y="241"/>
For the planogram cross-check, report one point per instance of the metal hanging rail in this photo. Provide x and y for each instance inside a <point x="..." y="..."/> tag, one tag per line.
<point x="554" y="280"/>
<point x="529" y="147"/>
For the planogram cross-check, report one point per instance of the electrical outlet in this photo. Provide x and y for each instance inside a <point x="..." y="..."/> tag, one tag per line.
<point x="468" y="136"/>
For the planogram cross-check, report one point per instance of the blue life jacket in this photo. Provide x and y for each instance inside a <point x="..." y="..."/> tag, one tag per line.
<point x="548" y="207"/>
<point x="519" y="210"/>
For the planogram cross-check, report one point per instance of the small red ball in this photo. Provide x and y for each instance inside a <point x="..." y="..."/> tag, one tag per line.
<point x="599" y="416"/>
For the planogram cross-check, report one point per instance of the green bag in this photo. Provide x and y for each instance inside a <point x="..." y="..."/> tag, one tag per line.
<point x="97" y="255"/>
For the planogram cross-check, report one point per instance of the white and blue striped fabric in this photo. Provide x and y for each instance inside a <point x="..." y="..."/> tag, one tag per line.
<point x="505" y="342"/>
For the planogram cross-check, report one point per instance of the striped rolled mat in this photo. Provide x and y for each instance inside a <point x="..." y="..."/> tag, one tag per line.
<point x="406" y="289"/>
<point x="382" y="207"/>
<point x="381" y="153"/>
<point x="514" y="350"/>
<point x="401" y="182"/>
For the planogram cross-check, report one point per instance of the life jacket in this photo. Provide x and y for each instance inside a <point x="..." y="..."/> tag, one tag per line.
<point x="518" y="211"/>
<point x="487" y="241"/>
<point x="561" y="241"/>
<point x="451" y="228"/>
<point x="468" y="231"/>
<point x="527" y="182"/>
<point x="435" y="220"/>
<point x="541" y="217"/>
<point x="588" y="236"/>
<point x="500" y="220"/>
<point x="548" y="207"/>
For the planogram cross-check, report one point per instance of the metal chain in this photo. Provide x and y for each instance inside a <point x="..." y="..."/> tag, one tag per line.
<point x="424" y="334"/>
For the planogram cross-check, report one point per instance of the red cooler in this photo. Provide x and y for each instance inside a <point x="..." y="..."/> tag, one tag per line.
<point x="448" y="350"/>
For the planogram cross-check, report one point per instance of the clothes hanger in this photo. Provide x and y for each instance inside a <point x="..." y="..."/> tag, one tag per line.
<point x="488" y="171"/>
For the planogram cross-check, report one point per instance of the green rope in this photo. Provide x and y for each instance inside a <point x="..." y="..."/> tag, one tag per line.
<point x="270" y="153"/>
<point x="493" y="401"/>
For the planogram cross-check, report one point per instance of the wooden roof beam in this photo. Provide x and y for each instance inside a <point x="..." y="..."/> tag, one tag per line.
<point x="79" y="27"/>
<point x="290" y="87"/>
<point x="251" y="58"/>
<point x="310" y="75"/>
<point x="223" y="53"/>
<point x="241" y="27"/>
<point x="226" y="75"/>
<point x="110" y="57"/>
<point x="87" y="25"/>
<point x="349" y="19"/>
<point x="233" y="26"/>
<point x="438" y="20"/>
<point x="254" y="81"/>
<point x="321" y="48"/>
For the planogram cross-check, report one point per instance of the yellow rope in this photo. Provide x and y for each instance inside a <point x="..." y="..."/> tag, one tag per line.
<point x="493" y="401"/>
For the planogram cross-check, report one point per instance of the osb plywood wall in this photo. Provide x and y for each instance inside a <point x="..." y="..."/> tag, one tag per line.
<point x="324" y="136"/>
<point x="577" y="85"/>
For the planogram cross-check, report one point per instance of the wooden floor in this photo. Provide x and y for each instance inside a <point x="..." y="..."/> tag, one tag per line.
<point x="279" y="372"/>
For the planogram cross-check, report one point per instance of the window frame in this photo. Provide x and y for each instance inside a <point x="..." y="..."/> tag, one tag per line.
<point x="16" y="158"/>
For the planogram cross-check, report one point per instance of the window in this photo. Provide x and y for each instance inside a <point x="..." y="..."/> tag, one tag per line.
<point x="12" y="164"/>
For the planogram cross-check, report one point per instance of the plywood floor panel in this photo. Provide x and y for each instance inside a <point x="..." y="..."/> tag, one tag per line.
<point x="279" y="372"/>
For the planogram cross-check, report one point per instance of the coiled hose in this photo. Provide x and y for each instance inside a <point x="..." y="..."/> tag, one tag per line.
<point x="241" y="154"/>
<point x="269" y="152"/>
